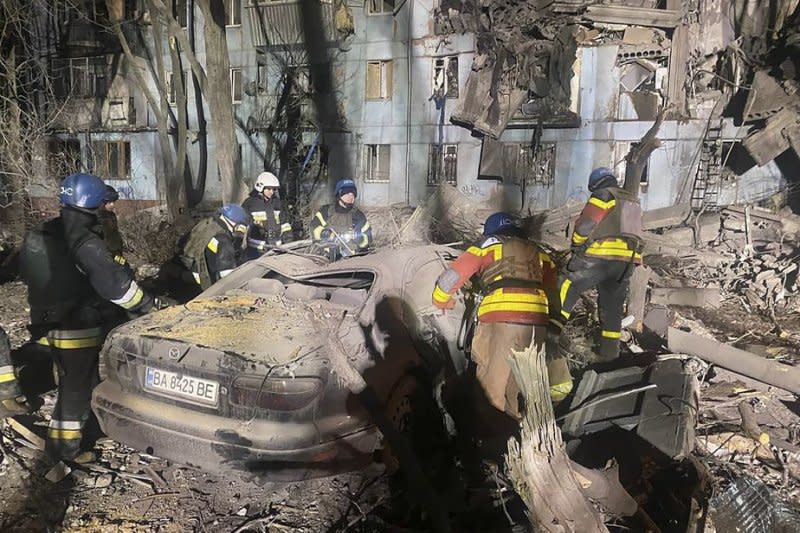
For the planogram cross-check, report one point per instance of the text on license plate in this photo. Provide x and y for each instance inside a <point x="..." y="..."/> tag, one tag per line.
<point x="180" y="386"/>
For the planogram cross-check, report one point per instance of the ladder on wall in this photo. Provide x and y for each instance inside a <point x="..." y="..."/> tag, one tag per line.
<point x="705" y="191"/>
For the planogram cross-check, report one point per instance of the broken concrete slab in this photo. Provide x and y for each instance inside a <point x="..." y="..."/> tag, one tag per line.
<point x="687" y="296"/>
<point x="639" y="35"/>
<point x="660" y="18"/>
<point x="673" y="215"/>
<point x="781" y="133"/>
<point x="767" y="371"/>
<point x="765" y="98"/>
<point x="637" y="295"/>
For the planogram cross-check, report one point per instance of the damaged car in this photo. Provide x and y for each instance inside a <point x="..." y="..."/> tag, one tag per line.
<point x="241" y="377"/>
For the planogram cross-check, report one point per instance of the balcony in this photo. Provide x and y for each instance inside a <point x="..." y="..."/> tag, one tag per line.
<point x="279" y="22"/>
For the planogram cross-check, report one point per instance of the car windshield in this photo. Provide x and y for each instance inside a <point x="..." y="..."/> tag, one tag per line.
<point x="342" y="288"/>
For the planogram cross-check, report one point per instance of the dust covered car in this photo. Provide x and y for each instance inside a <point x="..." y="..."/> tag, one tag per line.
<point x="242" y="376"/>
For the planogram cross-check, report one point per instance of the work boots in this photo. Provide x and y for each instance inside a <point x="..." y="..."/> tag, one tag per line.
<point x="607" y="350"/>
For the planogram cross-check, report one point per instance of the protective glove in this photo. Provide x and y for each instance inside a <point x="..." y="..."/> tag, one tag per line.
<point x="326" y="235"/>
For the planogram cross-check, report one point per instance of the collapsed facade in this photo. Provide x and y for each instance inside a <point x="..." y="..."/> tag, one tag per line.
<point x="512" y="103"/>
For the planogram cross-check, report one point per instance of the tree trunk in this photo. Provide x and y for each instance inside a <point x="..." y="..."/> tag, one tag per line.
<point x="638" y="155"/>
<point x="538" y="464"/>
<point x="218" y="96"/>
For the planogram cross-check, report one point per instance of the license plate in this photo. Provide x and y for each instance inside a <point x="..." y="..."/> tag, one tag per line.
<point x="180" y="386"/>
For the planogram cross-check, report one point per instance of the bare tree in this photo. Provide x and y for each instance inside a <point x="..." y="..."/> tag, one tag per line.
<point x="28" y="106"/>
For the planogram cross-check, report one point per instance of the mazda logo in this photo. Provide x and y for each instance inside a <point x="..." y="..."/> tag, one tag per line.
<point x="174" y="353"/>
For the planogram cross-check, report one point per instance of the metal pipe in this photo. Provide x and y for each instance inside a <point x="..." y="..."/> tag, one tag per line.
<point x="409" y="47"/>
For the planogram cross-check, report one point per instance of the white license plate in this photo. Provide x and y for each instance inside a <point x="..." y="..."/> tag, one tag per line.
<point x="175" y="385"/>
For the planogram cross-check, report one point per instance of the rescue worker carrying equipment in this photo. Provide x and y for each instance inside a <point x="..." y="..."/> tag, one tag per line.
<point x="340" y="228"/>
<point x="12" y="401"/>
<point x="515" y="279"/>
<point x="74" y="285"/>
<point x="210" y="250"/>
<point x="606" y="244"/>
<point x="269" y="225"/>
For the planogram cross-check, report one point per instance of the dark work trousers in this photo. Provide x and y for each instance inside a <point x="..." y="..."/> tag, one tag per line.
<point x="75" y="353"/>
<point x="612" y="278"/>
<point x="9" y="387"/>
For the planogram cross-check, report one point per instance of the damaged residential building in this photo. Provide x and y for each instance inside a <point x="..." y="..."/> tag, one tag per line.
<point x="512" y="103"/>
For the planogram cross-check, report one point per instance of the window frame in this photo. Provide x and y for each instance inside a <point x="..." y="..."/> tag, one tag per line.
<point x="371" y="13"/>
<point x="437" y="165"/>
<point x="445" y="67"/>
<point x="123" y="159"/>
<point x="373" y="173"/>
<point x="233" y="17"/>
<point x="385" y="83"/>
<point x="232" y="78"/>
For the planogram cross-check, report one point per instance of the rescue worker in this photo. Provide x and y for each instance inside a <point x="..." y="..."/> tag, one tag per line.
<point x="109" y="227"/>
<point x="12" y="401"/>
<point x="269" y="226"/>
<point x="74" y="284"/>
<point x="210" y="249"/>
<point x="606" y="243"/>
<point x="515" y="278"/>
<point x="341" y="228"/>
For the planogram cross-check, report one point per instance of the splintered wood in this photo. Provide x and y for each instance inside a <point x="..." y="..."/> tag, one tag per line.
<point x="538" y="464"/>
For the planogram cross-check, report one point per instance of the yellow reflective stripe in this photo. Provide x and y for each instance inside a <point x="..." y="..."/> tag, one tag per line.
<point x="131" y="298"/>
<point x="259" y="216"/>
<point x="286" y="227"/>
<point x="196" y="277"/>
<point x="64" y="434"/>
<point x="524" y="302"/>
<point x="544" y="258"/>
<point x="578" y="239"/>
<point x="76" y="344"/>
<point x="320" y="218"/>
<point x="610" y="334"/>
<point x="440" y="296"/>
<point x="601" y="204"/>
<point x="317" y="233"/>
<point x="5" y="377"/>
<point x="43" y="341"/>
<point x="213" y="244"/>
<point x="119" y="259"/>
<point x="604" y="251"/>
<point x="365" y="227"/>
<point x="136" y="300"/>
<point x="563" y="294"/>
<point x="521" y="307"/>
<point x="565" y="314"/>
<point x="560" y="391"/>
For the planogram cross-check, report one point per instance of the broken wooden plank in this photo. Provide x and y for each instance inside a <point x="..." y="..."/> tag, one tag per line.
<point x="686" y="296"/>
<point x="30" y="436"/>
<point x="745" y="363"/>
<point x="633" y="16"/>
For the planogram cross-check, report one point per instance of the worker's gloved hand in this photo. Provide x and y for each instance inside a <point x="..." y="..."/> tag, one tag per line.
<point x="162" y="302"/>
<point x="326" y="235"/>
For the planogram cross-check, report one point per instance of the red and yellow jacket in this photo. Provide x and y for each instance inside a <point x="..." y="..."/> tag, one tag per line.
<point x="597" y="210"/>
<point x="522" y="305"/>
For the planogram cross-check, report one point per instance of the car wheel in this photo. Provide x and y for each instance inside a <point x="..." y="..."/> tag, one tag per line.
<point x="413" y="412"/>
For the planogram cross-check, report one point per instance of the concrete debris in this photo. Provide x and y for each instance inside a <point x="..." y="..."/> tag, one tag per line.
<point x="781" y="133"/>
<point x="747" y="364"/>
<point x="686" y="297"/>
<point x="57" y="473"/>
<point x="660" y="18"/>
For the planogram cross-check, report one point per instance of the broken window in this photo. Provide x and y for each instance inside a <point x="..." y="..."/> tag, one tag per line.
<point x="179" y="11"/>
<point x="379" y="80"/>
<point x="376" y="162"/>
<point x="443" y="164"/>
<point x="80" y="77"/>
<point x="236" y="85"/>
<point x="620" y="155"/>
<point x="116" y="110"/>
<point x="518" y="163"/>
<point x="380" y="7"/>
<point x="233" y="12"/>
<point x="63" y="157"/>
<point x="112" y="159"/>
<point x="131" y="110"/>
<point x="445" y="76"/>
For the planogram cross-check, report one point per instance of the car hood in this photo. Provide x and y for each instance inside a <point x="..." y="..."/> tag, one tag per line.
<point x="266" y="329"/>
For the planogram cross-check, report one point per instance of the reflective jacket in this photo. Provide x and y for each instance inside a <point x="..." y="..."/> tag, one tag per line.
<point x="71" y="275"/>
<point x="209" y="252"/>
<point x="349" y="223"/>
<point x="269" y="222"/>
<point x="610" y="226"/>
<point x="516" y="277"/>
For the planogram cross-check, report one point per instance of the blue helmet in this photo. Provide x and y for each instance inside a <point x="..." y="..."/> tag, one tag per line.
<point x="82" y="190"/>
<point x="235" y="213"/>
<point x="344" y="186"/>
<point x="601" y="177"/>
<point x="499" y="222"/>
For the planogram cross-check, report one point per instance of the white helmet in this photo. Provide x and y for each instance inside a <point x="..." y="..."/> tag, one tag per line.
<point x="266" y="179"/>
